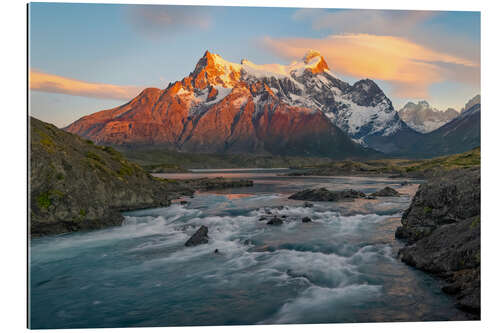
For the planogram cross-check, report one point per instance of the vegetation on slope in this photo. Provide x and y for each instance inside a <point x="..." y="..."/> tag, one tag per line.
<point x="402" y="167"/>
<point x="156" y="160"/>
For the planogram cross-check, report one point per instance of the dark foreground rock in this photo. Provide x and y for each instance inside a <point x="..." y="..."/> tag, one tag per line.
<point x="306" y="219"/>
<point x="216" y="183"/>
<point x="442" y="228"/>
<point x="275" y="221"/>
<point x="386" y="192"/>
<point x="322" y="194"/>
<point x="77" y="185"/>
<point x="199" y="237"/>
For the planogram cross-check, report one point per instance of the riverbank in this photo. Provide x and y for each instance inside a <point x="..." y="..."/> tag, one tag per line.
<point x="442" y="231"/>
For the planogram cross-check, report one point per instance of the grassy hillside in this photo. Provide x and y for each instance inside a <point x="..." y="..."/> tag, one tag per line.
<point x="172" y="161"/>
<point x="403" y="167"/>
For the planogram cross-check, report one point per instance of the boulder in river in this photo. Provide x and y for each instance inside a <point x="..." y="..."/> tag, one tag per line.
<point x="199" y="237"/>
<point x="308" y="205"/>
<point x="275" y="221"/>
<point x="322" y="194"/>
<point x="306" y="219"/>
<point x="386" y="192"/>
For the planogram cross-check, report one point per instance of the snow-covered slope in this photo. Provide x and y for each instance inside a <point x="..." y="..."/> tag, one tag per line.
<point x="424" y="118"/>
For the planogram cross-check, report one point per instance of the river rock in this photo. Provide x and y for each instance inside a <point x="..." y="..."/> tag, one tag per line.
<point x="275" y="221"/>
<point x="199" y="237"/>
<point x="306" y="219"/>
<point x="308" y="205"/>
<point x="442" y="231"/>
<point x="322" y="194"/>
<point x="386" y="192"/>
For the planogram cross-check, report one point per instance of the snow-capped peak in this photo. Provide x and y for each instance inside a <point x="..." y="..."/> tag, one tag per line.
<point x="310" y="55"/>
<point x="361" y="109"/>
<point x="216" y="65"/>
<point x="314" y="61"/>
<point x="471" y="107"/>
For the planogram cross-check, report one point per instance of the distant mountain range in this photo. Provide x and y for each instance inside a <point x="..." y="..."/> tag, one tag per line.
<point x="222" y="107"/>
<point x="423" y="118"/>
<point x="460" y="134"/>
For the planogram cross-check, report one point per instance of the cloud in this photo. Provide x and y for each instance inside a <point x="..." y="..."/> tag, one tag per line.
<point x="376" y="22"/>
<point x="409" y="67"/>
<point x="62" y="85"/>
<point x="160" y="21"/>
<point x="426" y="28"/>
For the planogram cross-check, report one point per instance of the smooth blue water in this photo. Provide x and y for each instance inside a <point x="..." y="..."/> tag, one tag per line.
<point x="340" y="268"/>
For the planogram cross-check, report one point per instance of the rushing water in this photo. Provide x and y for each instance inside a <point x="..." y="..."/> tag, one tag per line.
<point x="342" y="267"/>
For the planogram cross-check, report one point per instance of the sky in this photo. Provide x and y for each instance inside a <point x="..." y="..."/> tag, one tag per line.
<point x="85" y="58"/>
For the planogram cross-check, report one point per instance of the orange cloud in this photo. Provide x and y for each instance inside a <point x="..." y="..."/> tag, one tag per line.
<point x="63" y="85"/>
<point x="410" y="68"/>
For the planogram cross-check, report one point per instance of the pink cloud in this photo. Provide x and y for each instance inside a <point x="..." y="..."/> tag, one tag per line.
<point x="63" y="85"/>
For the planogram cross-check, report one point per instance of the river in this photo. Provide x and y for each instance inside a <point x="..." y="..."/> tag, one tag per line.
<point x="341" y="268"/>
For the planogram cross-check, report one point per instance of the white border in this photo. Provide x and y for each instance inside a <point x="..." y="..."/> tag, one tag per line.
<point x="13" y="139"/>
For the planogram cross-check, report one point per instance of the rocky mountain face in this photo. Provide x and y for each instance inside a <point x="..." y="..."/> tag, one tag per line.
<point x="299" y="109"/>
<point x="76" y="185"/>
<point x="442" y="231"/>
<point x="423" y="118"/>
<point x="461" y="134"/>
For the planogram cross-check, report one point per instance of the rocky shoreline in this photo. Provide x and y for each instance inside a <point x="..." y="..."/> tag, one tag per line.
<point x="442" y="233"/>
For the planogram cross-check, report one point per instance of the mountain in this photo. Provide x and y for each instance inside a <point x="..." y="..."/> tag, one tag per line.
<point x="460" y="134"/>
<point x="423" y="118"/>
<point x="468" y="108"/>
<point x="225" y="107"/>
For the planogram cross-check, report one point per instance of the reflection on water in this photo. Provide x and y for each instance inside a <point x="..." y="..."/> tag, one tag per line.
<point x="341" y="267"/>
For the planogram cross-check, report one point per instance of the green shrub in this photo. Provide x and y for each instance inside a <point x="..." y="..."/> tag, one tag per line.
<point x="43" y="200"/>
<point x="111" y="151"/>
<point x="94" y="156"/>
<point x="475" y="222"/>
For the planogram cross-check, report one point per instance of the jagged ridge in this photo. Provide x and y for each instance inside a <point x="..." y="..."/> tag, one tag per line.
<point x="228" y="107"/>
